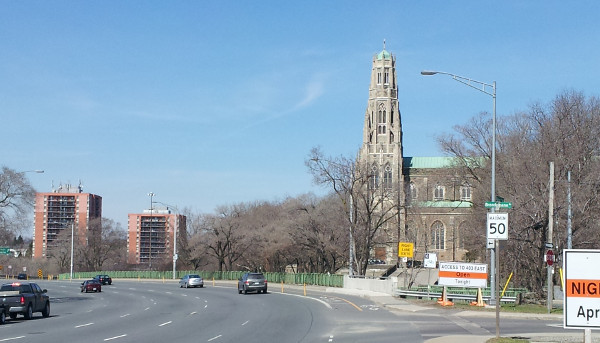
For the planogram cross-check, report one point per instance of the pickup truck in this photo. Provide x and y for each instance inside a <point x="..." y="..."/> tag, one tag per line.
<point x="24" y="298"/>
<point x="3" y="313"/>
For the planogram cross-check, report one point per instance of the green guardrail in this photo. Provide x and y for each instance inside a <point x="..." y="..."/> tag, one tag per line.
<point x="316" y="279"/>
<point x="510" y="292"/>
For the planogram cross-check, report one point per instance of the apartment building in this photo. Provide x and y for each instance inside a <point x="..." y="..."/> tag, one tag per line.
<point x="65" y="208"/>
<point x="151" y="236"/>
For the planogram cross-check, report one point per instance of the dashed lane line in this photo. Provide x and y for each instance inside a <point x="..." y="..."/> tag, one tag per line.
<point x="83" y="325"/>
<point x="115" y="337"/>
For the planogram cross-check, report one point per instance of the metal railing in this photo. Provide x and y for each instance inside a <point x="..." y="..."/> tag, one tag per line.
<point x="329" y="280"/>
<point x="466" y="294"/>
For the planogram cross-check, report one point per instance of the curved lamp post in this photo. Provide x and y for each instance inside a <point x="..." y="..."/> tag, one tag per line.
<point x="151" y="195"/>
<point x="484" y="88"/>
<point x="175" y="229"/>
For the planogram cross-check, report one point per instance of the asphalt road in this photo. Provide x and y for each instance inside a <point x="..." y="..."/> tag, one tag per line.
<point x="150" y="311"/>
<point x="155" y="311"/>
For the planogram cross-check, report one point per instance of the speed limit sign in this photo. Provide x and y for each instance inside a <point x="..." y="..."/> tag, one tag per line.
<point x="497" y="226"/>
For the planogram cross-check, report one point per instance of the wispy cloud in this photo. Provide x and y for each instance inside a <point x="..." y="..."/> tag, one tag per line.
<point x="313" y="91"/>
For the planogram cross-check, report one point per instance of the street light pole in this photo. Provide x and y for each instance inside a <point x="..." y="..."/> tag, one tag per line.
<point x="175" y="229"/>
<point x="151" y="195"/>
<point x="494" y="263"/>
<point x="72" y="244"/>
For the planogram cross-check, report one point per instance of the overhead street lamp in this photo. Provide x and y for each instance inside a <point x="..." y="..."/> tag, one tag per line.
<point x="175" y="229"/>
<point x="151" y="195"/>
<point x="485" y="88"/>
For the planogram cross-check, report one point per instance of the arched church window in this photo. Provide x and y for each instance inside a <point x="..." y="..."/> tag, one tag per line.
<point x="387" y="177"/>
<point x="438" y="236"/>
<point x="465" y="192"/>
<point x="374" y="177"/>
<point x="413" y="191"/>
<point x="438" y="193"/>
<point x="381" y="120"/>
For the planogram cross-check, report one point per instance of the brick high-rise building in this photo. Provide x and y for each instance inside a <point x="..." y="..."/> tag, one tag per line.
<point x="65" y="208"/>
<point x="151" y="235"/>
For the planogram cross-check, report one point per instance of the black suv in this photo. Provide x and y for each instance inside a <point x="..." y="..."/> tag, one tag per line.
<point x="252" y="282"/>
<point x="104" y="279"/>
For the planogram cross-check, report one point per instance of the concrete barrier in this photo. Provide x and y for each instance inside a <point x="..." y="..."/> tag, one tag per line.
<point x="380" y="285"/>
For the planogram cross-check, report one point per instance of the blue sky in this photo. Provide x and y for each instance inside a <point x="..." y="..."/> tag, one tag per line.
<point x="209" y="103"/>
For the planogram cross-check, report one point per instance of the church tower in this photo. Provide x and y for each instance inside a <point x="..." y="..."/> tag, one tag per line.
<point x="381" y="150"/>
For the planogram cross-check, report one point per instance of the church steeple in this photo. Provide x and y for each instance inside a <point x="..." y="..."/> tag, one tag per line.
<point x="382" y="132"/>
<point x="381" y="152"/>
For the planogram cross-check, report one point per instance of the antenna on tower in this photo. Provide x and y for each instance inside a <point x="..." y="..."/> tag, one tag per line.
<point x="384" y="44"/>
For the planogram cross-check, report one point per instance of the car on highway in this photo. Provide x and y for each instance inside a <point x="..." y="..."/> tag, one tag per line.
<point x="24" y="298"/>
<point x="22" y="276"/>
<point x="252" y="282"/>
<point x="92" y="285"/>
<point x="104" y="279"/>
<point x="191" y="280"/>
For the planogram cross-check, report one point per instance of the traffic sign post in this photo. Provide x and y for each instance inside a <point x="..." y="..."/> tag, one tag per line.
<point x="405" y="249"/>
<point x="550" y="257"/>
<point x="581" y="295"/>
<point x="498" y="204"/>
<point x="497" y="226"/>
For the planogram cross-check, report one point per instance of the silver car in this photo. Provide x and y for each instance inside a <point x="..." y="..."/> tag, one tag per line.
<point x="191" y="280"/>
<point x="252" y="282"/>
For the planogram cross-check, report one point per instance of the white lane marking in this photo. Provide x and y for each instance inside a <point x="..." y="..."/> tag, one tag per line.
<point x="125" y="315"/>
<point x="11" y="339"/>
<point x="205" y="306"/>
<point x="214" y="338"/>
<point x="165" y="323"/>
<point x="184" y="295"/>
<point x="193" y="312"/>
<point x="306" y="297"/>
<point x="111" y="338"/>
<point x="244" y="323"/>
<point x="330" y="338"/>
<point x="82" y="325"/>
<point x="147" y="308"/>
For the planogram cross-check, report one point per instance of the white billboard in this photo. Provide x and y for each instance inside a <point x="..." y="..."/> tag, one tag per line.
<point x="582" y="289"/>
<point x="458" y="274"/>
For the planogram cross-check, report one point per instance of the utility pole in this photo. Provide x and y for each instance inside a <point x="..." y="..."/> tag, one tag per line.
<point x="549" y="238"/>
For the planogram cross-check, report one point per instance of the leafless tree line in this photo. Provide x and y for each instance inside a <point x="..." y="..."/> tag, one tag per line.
<point x="564" y="131"/>
<point x="314" y="234"/>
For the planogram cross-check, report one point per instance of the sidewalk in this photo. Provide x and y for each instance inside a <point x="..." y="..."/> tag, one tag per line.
<point x="479" y="335"/>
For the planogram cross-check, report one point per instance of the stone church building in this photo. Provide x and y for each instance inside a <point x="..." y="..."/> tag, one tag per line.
<point x="435" y="202"/>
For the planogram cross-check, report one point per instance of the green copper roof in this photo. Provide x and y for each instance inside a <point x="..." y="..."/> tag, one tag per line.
<point x="384" y="55"/>
<point x="428" y="162"/>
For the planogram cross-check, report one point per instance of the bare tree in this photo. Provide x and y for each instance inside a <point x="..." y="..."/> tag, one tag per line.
<point x="106" y="242"/>
<point x="370" y="208"/>
<point x="226" y="239"/>
<point x="319" y="240"/>
<point x="60" y="251"/>
<point x="16" y="200"/>
<point x="565" y="131"/>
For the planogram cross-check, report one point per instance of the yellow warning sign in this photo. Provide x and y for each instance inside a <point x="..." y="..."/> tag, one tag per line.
<point x="405" y="249"/>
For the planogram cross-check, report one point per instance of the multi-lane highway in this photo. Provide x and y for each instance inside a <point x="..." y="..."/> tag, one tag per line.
<point x="156" y="311"/>
<point x="146" y="311"/>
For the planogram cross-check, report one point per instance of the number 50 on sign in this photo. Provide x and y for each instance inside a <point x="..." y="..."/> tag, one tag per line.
<point x="497" y="226"/>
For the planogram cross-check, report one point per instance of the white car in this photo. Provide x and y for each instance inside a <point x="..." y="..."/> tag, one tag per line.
<point x="191" y="280"/>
